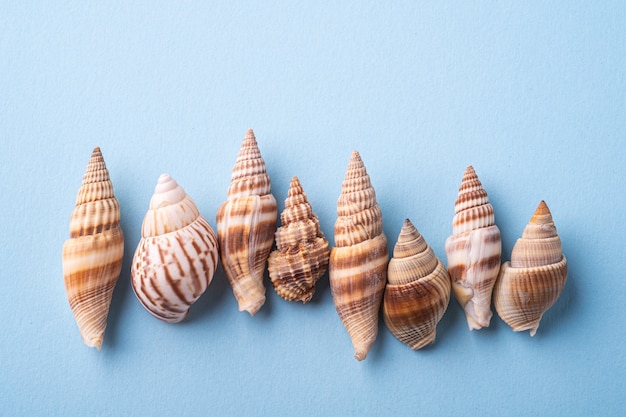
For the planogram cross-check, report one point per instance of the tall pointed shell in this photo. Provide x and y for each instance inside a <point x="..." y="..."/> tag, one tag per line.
<point x="532" y="281"/>
<point x="177" y="255"/>
<point x="417" y="292"/>
<point x="301" y="255"/>
<point x="473" y="251"/>
<point x="358" y="262"/>
<point x="246" y="223"/>
<point x="92" y="257"/>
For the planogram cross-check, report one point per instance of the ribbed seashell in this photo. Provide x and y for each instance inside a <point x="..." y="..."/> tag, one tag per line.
<point x="301" y="255"/>
<point x="532" y="281"/>
<point x="177" y="255"/>
<point x="358" y="262"/>
<point x="246" y="223"/>
<point x="473" y="251"/>
<point x="92" y="257"/>
<point x="417" y="291"/>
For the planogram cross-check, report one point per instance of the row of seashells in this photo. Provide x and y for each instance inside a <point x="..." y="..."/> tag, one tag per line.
<point x="178" y="253"/>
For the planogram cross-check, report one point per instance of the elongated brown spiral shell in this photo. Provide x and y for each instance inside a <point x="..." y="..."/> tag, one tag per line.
<point x="358" y="262"/>
<point x="177" y="255"/>
<point x="533" y="280"/>
<point x="417" y="292"/>
<point x="92" y="257"/>
<point x="246" y="223"/>
<point x="474" y="251"/>
<point x="301" y="255"/>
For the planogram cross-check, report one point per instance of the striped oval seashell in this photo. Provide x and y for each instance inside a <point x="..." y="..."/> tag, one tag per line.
<point x="473" y="251"/>
<point x="417" y="291"/>
<point x="301" y="255"/>
<point x="246" y="223"/>
<point x="358" y="262"/>
<point x="177" y="255"/>
<point x="92" y="257"/>
<point x="533" y="280"/>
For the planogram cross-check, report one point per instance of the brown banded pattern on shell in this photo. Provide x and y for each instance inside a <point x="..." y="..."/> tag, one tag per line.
<point x="473" y="251"/>
<point x="246" y="223"/>
<point x="177" y="255"/>
<point x="533" y="280"/>
<point x="301" y="255"/>
<point x="92" y="257"/>
<point x="358" y="262"/>
<point x="417" y="292"/>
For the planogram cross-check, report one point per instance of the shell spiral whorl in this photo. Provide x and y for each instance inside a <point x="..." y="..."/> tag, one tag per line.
<point x="417" y="292"/>
<point x="177" y="255"/>
<point x="92" y="257"/>
<point x="246" y="223"/>
<point x="301" y="255"/>
<point x="473" y="251"/>
<point x="358" y="262"/>
<point x="533" y="280"/>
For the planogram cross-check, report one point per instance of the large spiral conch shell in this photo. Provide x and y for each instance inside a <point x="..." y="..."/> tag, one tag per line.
<point x="246" y="223"/>
<point x="532" y="281"/>
<point x="301" y="255"/>
<point x="358" y="262"/>
<point x="473" y="251"/>
<point x="417" y="292"/>
<point x="92" y="257"/>
<point x="177" y="255"/>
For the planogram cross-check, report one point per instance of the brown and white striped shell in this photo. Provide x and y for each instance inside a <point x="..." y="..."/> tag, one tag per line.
<point x="301" y="255"/>
<point x="358" y="262"/>
<point x="417" y="292"/>
<point x="473" y="251"/>
<point x="92" y="257"/>
<point x="177" y="255"/>
<point x="532" y="281"/>
<point x="246" y="223"/>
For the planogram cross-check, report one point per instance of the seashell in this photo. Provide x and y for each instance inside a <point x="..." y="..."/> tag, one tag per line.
<point x="358" y="262"/>
<point x="301" y="255"/>
<point x="177" y="255"/>
<point x="532" y="281"/>
<point x="246" y="223"/>
<point x="92" y="257"/>
<point x="473" y="251"/>
<point x="417" y="292"/>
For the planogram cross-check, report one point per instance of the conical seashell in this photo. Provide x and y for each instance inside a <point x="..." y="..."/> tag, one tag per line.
<point x="246" y="224"/>
<point x="177" y="255"/>
<point x="301" y="255"/>
<point x="358" y="262"/>
<point x="531" y="283"/>
<point x="417" y="292"/>
<point x="92" y="257"/>
<point x="473" y="251"/>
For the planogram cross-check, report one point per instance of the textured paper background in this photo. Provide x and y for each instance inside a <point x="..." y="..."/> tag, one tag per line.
<point x="532" y="95"/>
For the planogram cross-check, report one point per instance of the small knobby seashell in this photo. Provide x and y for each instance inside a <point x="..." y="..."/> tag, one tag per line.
<point x="532" y="281"/>
<point x="358" y="262"/>
<point x="92" y="257"/>
<point x="177" y="255"/>
<point x="473" y="251"/>
<point x="417" y="292"/>
<point x="246" y="223"/>
<point x="301" y="255"/>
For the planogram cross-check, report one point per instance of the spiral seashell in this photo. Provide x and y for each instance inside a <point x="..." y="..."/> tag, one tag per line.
<point x="473" y="251"/>
<point x="533" y="280"/>
<point x="417" y="292"/>
<point x="358" y="262"/>
<point x="92" y="257"/>
<point x="246" y="223"/>
<point x="301" y="255"/>
<point x="177" y="255"/>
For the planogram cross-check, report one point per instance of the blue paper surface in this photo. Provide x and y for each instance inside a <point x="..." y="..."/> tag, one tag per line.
<point x="532" y="95"/>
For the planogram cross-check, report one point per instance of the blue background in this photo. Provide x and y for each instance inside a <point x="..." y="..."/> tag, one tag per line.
<point x="531" y="94"/>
